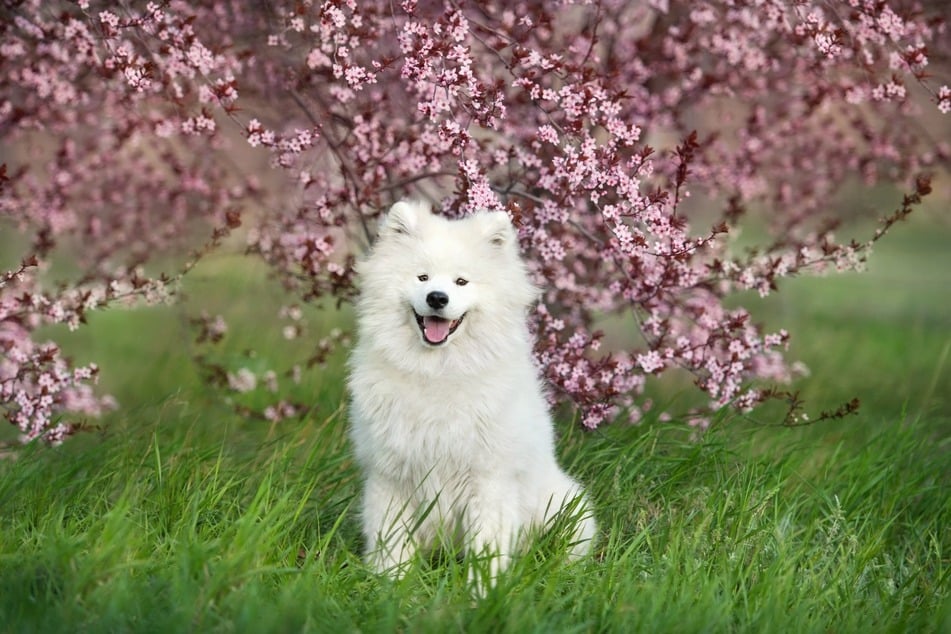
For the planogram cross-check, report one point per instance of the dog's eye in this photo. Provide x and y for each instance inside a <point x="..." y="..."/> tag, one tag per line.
<point x="461" y="281"/>
<point x="422" y="278"/>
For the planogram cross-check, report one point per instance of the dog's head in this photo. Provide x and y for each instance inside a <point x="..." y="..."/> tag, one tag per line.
<point x="443" y="281"/>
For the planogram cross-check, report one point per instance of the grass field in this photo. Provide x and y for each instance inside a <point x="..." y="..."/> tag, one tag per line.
<point x="182" y="517"/>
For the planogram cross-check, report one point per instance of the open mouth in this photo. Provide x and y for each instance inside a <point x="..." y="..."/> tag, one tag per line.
<point x="436" y="330"/>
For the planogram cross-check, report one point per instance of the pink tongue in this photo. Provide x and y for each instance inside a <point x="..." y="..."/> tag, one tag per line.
<point x="436" y="329"/>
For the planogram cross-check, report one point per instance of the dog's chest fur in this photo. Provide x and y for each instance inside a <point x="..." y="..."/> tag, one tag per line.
<point x="406" y="430"/>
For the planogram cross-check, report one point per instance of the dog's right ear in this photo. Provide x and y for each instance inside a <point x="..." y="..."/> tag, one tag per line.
<point x="403" y="218"/>
<point x="498" y="227"/>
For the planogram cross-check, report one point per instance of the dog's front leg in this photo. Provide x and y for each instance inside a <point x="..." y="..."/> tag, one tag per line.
<point x="492" y="529"/>
<point x="387" y="518"/>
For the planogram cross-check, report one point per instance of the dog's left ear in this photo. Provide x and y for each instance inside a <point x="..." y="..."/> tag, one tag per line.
<point x="404" y="217"/>
<point x="498" y="227"/>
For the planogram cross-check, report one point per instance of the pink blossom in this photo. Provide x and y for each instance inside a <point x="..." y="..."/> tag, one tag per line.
<point x="244" y="380"/>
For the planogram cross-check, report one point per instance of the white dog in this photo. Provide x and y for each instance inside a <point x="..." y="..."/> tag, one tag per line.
<point x="449" y="419"/>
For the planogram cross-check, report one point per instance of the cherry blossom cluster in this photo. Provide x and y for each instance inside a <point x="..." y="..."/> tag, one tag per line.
<point x="263" y="392"/>
<point x="37" y="383"/>
<point x="112" y="159"/>
<point x="628" y="140"/>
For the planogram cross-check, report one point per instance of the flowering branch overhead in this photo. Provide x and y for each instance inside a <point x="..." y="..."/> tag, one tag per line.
<point x="629" y="139"/>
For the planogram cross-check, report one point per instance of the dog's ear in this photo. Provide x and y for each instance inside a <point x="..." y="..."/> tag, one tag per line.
<point x="403" y="217"/>
<point x="498" y="227"/>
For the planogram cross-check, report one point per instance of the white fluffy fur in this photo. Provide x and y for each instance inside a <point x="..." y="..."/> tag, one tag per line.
<point x="452" y="439"/>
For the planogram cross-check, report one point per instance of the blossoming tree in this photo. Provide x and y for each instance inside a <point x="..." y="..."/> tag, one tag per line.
<point x="626" y="139"/>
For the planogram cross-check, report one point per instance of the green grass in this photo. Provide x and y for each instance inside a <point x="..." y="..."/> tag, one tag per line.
<point x="181" y="516"/>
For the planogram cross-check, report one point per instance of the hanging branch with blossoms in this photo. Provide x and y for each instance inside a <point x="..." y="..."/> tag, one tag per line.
<point x="627" y="140"/>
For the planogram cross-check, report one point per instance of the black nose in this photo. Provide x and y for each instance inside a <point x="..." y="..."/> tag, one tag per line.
<point x="437" y="299"/>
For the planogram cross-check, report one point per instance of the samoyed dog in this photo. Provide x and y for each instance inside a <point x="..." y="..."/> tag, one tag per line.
<point x="449" y="418"/>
